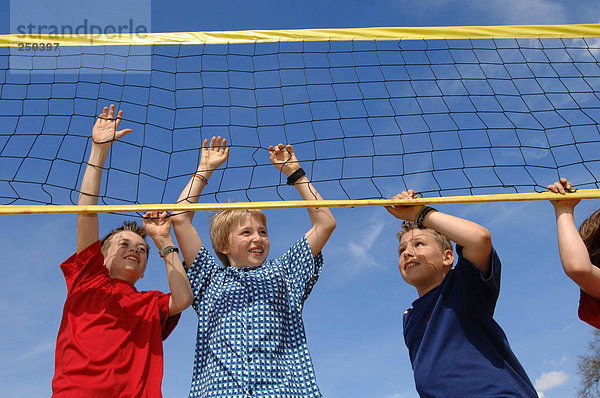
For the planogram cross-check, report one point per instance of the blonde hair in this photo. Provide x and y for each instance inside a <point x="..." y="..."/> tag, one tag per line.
<point x="442" y="241"/>
<point x="221" y="223"/>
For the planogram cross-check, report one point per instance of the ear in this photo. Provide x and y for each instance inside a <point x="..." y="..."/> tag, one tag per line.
<point x="448" y="259"/>
<point x="225" y="250"/>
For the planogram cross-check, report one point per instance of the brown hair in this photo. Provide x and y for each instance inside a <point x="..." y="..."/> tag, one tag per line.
<point x="221" y="223"/>
<point x="127" y="226"/>
<point x="590" y="233"/>
<point x="443" y="242"/>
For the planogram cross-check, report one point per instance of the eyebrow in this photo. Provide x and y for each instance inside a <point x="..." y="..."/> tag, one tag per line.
<point x="127" y="240"/>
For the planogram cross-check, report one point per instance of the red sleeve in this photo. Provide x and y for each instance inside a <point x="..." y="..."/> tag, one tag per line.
<point x="168" y="323"/>
<point x="79" y="264"/>
<point x="589" y="309"/>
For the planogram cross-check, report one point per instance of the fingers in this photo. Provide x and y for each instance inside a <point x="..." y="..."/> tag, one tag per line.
<point x="217" y="144"/>
<point x="562" y="186"/>
<point x="410" y="194"/>
<point x="111" y="111"/>
<point x="279" y="151"/>
<point x="156" y="217"/>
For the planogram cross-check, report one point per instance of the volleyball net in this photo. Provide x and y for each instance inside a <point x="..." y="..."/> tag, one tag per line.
<point x="461" y="114"/>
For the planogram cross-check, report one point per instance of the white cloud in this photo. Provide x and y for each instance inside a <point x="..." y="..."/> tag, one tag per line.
<point x="37" y="350"/>
<point x="550" y="380"/>
<point x="556" y="362"/>
<point x="364" y="242"/>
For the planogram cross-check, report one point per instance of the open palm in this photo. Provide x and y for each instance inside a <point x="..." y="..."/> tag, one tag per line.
<point x="105" y="129"/>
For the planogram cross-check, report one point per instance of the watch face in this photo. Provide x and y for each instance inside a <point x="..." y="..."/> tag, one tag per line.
<point x="168" y="250"/>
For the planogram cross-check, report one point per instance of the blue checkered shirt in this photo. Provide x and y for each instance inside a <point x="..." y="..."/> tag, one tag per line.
<point x="251" y="340"/>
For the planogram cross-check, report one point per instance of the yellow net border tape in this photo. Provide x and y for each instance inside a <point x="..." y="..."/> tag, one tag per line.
<point x="518" y="197"/>
<point x="300" y="35"/>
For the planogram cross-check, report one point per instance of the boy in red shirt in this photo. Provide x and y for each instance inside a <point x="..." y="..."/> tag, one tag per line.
<point x="110" y="339"/>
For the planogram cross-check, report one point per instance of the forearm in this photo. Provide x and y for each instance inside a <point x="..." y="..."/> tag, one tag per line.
<point x="181" y="291"/>
<point x="322" y="221"/>
<point x="475" y="240"/>
<point x="191" y="194"/>
<point x="463" y="232"/>
<point x="90" y="184"/>
<point x="318" y="215"/>
<point x="87" y="223"/>
<point x="573" y="252"/>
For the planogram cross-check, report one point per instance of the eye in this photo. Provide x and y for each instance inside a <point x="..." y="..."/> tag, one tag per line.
<point x="142" y="249"/>
<point x="263" y="232"/>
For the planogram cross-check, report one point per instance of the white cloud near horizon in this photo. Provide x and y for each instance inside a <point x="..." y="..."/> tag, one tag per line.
<point x="39" y="349"/>
<point x="555" y="362"/>
<point x="550" y="380"/>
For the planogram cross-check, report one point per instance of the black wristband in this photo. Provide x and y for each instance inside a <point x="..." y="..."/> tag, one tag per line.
<point x="295" y="176"/>
<point x="421" y="216"/>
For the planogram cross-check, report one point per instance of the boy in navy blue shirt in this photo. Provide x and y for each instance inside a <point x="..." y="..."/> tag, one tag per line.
<point x="456" y="348"/>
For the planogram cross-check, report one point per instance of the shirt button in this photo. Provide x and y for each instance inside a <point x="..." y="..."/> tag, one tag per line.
<point x="249" y="327"/>
<point x="250" y="300"/>
<point x="249" y="358"/>
<point x="250" y="391"/>
<point x="245" y="269"/>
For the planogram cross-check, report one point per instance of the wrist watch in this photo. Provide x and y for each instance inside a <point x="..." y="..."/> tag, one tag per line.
<point x="167" y="250"/>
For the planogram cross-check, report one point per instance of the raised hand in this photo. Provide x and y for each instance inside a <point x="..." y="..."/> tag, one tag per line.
<point x="562" y="187"/>
<point x="213" y="154"/>
<point x="105" y="129"/>
<point x="405" y="212"/>
<point x="158" y="226"/>
<point x="284" y="159"/>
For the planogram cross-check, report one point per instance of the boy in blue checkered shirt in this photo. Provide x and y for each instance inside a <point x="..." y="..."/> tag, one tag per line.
<point x="251" y="339"/>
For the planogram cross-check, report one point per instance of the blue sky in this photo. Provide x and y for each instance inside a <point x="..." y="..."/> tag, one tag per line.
<point x="353" y="317"/>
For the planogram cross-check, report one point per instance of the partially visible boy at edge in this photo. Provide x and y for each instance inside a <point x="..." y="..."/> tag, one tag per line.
<point x="456" y="348"/>
<point x="251" y="339"/>
<point x="110" y="339"/>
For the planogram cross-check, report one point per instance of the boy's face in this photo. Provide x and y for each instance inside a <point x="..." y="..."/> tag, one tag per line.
<point x="423" y="264"/>
<point x="126" y="256"/>
<point x="248" y="243"/>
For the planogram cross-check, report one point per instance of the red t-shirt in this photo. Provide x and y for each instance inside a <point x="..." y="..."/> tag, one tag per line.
<point x="589" y="309"/>
<point x="110" y="338"/>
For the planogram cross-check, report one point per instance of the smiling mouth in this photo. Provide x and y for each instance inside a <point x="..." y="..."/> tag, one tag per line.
<point x="132" y="258"/>
<point x="256" y="252"/>
<point x="410" y="265"/>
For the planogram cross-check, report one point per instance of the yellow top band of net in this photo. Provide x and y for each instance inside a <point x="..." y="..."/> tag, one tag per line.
<point x="300" y="35"/>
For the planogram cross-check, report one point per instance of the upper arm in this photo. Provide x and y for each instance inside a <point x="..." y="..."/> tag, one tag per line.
<point x="574" y="254"/>
<point x="87" y="230"/>
<point x="317" y="237"/>
<point x="479" y="252"/>
<point x="187" y="238"/>
<point x="302" y="268"/>
<point x="590" y="283"/>
<point x="475" y="239"/>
